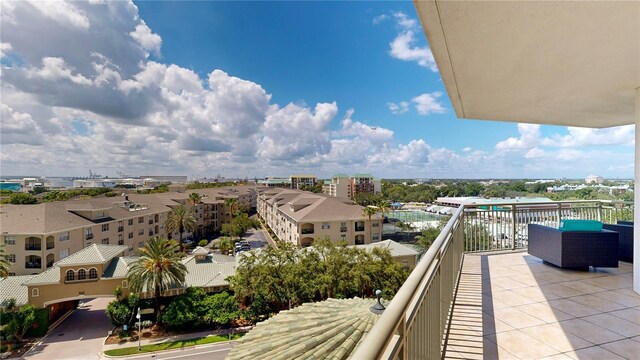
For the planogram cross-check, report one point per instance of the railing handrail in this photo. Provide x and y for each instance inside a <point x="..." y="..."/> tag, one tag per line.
<point x="372" y="347"/>
<point x="507" y="203"/>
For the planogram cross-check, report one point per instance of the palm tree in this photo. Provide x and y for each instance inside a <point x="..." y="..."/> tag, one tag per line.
<point x="157" y="269"/>
<point x="369" y="211"/>
<point x="231" y="204"/>
<point x="194" y="198"/>
<point x="180" y="218"/>
<point x="4" y="262"/>
<point x="383" y="208"/>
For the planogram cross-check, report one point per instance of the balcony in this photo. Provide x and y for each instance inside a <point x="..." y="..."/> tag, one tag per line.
<point x="120" y="228"/>
<point x="33" y="247"/>
<point x="343" y="229"/>
<point x="88" y="236"/>
<point x="507" y="303"/>
<point x="306" y="231"/>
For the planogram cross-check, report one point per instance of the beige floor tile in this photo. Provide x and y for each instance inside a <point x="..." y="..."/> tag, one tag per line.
<point x="554" y="336"/>
<point x="492" y="351"/>
<point x="545" y="312"/>
<point x="588" y="331"/>
<point x="491" y="325"/>
<point x="559" y="290"/>
<point x="572" y="308"/>
<point x="511" y="298"/>
<point x="615" y="324"/>
<point x="630" y="314"/>
<point x="619" y="297"/>
<point x="597" y="303"/>
<point x="626" y="348"/>
<point x="516" y="318"/>
<point x="535" y="293"/>
<point x="556" y="357"/>
<point x="584" y="287"/>
<point x="593" y="353"/>
<point x="522" y="345"/>
<point x="609" y="282"/>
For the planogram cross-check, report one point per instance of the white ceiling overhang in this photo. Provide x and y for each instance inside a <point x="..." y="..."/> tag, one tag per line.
<point x="574" y="63"/>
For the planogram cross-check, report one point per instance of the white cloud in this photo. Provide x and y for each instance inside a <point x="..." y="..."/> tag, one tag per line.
<point x="620" y="135"/>
<point x="62" y="12"/>
<point x="427" y="103"/>
<point x="380" y="18"/>
<point x="404" y="47"/>
<point x="149" y="41"/>
<point x="399" y="108"/>
<point x="4" y="49"/>
<point x="55" y="69"/>
<point x="529" y="138"/>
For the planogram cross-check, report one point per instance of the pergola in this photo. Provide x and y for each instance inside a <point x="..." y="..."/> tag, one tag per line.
<point x="573" y="63"/>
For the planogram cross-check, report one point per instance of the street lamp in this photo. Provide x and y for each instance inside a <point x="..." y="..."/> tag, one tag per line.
<point x="139" y="326"/>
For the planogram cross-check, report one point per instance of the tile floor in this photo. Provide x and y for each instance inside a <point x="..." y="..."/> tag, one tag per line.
<point x="512" y="306"/>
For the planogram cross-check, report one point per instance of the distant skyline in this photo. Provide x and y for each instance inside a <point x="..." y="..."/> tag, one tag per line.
<point x="254" y="89"/>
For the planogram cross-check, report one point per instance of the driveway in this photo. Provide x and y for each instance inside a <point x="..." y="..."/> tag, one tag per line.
<point x="80" y="336"/>
<point x="256" y="238"/>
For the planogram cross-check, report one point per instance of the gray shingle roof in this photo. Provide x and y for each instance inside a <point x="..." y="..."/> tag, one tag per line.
<point x="12" y="288"/>
<point x="118" y="267"/>
<point x="329" y="329"/>
<point x="212" y="271"/>
<point x="94" y="254"/>
<point x="49" y="276"/>
<point x="395" y="248"/>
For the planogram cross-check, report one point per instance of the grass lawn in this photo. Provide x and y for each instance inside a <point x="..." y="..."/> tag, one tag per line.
<point x="172" y="345"/>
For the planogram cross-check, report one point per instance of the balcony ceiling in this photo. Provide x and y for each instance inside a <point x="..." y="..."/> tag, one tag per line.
<point x="561" y="63"/>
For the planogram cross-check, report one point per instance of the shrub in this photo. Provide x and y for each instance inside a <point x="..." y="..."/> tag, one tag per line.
<point x="118" y="312"/>
<point x="203" y="243"/>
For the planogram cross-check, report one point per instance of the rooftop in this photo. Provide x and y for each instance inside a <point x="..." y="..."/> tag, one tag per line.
<point x="516" y="307"/>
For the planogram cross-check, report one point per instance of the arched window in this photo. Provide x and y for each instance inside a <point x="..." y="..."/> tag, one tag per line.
<point x="35" y="292"/>
<point x="82" y="274"/>
<point x="70" y="275"/>
<point x="125" y="284"/>
<point x="93" y="273"/>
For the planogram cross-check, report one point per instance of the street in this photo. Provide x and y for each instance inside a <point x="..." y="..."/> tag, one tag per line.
<point x="209" y="352"/>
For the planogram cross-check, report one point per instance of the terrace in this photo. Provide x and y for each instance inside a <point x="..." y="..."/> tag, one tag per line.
<point x="478" y="294"/>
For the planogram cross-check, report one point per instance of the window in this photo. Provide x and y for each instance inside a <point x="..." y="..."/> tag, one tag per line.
<point x="130" y="222"/>
<point x="35" y="292"/>
<point x="11" y="258"/>
<point x="125" y="284"/>
<point x="12" y="274"/>
<point x="140" y="219"/>
<point x="130" y="235"/>
<point x="120" y="242"/>
<point x="82" y="274"/>
<point x="105" y="241"/>
<point x="64" y="236"/>
<point x="375" y="224"/>
<point x="326" y="226"/>
<point x="70" y="275"/>
<point x="64" y="253"/>
<point x="139" y="244"/>
<point x="93" y="273"/>
<point x="375" y="237"/>
<point x="105" y="227"/>
<point x="120" y="237"/>
<point x="343" y="237"/>
<point x="141" y="232"/>
<point x="10" y="240"/>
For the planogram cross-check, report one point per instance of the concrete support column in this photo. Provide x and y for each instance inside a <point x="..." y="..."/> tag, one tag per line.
<point x="636" y="202"/>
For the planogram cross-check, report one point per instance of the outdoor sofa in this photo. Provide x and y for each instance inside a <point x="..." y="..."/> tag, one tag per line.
<point x="574" y="248"/>
<point x="625" y="241"/>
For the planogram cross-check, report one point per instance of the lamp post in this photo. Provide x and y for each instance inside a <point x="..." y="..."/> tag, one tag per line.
<point x="139" y="328"/>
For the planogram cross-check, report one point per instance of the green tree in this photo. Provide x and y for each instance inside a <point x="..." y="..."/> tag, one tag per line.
<point x="22" y="321"/>
<point x="369" y="211"/>
<point x="239" y="225"/>
<point x="4" y="262"/>
<point x="181" y="219"/>
<point x="157" y="269"/>
<point x="22" y="199"/>
<point x="118" y="312"/>
<point x="221" y="309"/>
<point x="231" y="204"/>
<point x="194" y="198"/>
<point x="185" y="309"/>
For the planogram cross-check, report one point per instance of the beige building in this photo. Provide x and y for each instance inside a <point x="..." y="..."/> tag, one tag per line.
<point x="300" y="217"/>
<point x="346" y="187"/>
<point x="298" y="181"/>
<point x="36" y="236"/>
<point x="400" y="253"/>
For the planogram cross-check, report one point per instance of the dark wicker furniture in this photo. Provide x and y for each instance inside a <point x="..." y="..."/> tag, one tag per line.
<point x="574" y="249"/>
<point x="625" y="240"/>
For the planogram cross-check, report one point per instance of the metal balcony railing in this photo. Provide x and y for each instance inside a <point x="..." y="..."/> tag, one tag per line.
<point x="33" y="247"/>
<point x="306" y="231"/>
<point x="415" y="323"/>
<point x="120" y="228"/>
<point x="88" y="236"/>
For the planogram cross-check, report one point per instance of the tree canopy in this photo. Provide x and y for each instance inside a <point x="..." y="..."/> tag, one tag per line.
<point x="181" y="219"/>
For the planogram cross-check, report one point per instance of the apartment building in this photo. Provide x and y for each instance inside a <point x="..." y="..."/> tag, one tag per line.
<point x="298" y="181"/>
<point x="346" y="187"/>
<point x="300" y="217"/>
<point x="36" y="236"/>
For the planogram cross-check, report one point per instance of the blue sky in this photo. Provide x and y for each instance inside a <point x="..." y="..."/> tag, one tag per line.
<point x="255" y="89"/>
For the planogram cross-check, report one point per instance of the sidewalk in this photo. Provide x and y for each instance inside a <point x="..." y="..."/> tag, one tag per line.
<point x="127" y="344"/>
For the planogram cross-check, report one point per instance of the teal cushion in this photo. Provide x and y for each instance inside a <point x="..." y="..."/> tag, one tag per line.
<point x="580" y="225"/>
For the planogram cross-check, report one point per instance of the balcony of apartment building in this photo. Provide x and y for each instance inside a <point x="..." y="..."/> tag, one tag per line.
<point x="359" y="239"/>
<point x="306" y="228"/>
<point x="359" y="226"/>
<point x="477" y="293"/>
<point x="50" y="242"/>
<point x="33" y="243"/>
<point x="88" y="235"/>
<point x="50" y="260"/>
<point x="33" y="262"/>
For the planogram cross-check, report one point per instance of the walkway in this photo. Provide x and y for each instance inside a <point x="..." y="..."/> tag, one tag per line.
<point x="512" y="306"/>
<point x="80" y="336"/>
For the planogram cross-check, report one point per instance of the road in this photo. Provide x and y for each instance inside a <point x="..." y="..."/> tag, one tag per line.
<point x="209" y="352"/>
<point x="80" y="336"/>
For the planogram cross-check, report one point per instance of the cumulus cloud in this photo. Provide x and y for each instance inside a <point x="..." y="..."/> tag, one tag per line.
<point x="4" y="49"/>
<point x="149" y="41"/>
<point x="620" y="135"/>
<point x="529" y="138"/>
<point x="427" y="103"/>
<point x="399" y="108"/>
<point x="404" y="47"/>
<point x="62" y="12"/>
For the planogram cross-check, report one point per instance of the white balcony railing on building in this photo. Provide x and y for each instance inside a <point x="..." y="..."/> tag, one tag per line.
<point x="415" y="323"/>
